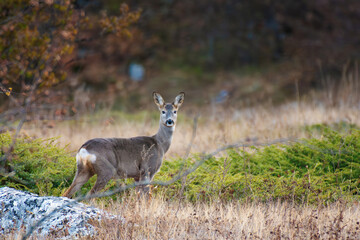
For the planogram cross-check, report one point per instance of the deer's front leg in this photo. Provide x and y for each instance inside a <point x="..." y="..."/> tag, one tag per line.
<point x="144" y="180"/>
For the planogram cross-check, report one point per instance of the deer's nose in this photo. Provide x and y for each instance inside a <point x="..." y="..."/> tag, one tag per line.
<point x="169" y="122"/>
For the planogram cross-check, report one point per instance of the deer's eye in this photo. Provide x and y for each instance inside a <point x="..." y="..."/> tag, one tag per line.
<point x="175" y="112"/>
<point x="163" y="112"/>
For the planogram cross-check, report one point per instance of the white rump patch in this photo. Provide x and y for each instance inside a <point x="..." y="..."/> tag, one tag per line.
<point x="84" y="156"/>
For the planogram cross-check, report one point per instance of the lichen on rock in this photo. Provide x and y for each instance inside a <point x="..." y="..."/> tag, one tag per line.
<point x="21" y="210"/>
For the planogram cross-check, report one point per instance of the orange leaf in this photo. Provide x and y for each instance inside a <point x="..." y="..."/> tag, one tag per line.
<point x="8" y="92"/>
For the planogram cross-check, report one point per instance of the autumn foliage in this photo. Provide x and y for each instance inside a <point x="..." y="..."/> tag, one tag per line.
<point x="37" y="41"/>
<point x="38" y="38"/>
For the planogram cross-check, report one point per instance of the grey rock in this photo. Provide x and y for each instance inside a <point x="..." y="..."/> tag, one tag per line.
<point x="21" y="210"/>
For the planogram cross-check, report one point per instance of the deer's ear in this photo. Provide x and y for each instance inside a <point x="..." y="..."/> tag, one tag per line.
<point x="159" y="101"/>
<point x="179" y="99"/>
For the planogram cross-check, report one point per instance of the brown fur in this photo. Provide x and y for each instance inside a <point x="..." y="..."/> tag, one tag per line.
<point x="138" y="157"/>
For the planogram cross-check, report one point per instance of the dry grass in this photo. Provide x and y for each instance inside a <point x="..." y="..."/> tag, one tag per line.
<point x="159" y="219"/>
<point x="214" y="130"/>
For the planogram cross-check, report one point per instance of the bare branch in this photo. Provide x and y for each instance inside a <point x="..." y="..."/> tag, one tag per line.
<point x="192" y="137"/>
<point x="4" y="167"/>
<point x="183" y="180"/>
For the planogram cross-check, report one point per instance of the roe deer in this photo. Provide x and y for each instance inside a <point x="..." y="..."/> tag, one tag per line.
<point x="138" y="158"/>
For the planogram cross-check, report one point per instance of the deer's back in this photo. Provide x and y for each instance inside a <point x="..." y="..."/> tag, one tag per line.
<point x="127" y="155"/>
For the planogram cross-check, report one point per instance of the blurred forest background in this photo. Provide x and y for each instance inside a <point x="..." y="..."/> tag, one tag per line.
<point x="258" y="73"/>
<point x="66" y="57"/>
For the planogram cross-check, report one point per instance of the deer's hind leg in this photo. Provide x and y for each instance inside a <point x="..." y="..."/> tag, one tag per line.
<point x="104" y="172"/>
<point x="82" y="175"/>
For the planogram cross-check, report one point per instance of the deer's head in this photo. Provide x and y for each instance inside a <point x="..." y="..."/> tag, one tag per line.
<point x="168" y="111"/>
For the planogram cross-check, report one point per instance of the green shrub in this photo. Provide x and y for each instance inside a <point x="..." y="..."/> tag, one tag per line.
<point x="341" y="126"/>
<point x="40" y="166"/>
<point x="316" y="170"/>
<point x="309" y="171"/>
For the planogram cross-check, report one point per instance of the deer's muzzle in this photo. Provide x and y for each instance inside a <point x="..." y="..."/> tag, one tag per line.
<point x="169" y="122"/>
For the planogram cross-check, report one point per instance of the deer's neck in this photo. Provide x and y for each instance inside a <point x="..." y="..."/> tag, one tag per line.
<point x="164" y="136"/>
